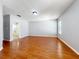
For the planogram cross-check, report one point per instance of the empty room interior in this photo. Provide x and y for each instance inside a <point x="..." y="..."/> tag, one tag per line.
<point x="39" y="29"/>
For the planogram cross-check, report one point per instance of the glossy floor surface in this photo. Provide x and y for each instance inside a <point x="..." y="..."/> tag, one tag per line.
<point x="36" y="48"/>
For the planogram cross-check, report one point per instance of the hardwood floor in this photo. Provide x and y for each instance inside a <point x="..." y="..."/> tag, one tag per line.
<point x="36" y="48"/>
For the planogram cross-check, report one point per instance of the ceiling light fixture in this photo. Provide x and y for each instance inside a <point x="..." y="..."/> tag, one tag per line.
<point x="34" y="12"/>
<point x="19" y="15"/>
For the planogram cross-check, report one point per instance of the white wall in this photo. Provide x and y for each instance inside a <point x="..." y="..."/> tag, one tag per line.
<point x="70" y="26"/>
<point x="23" y="28"/>
<point x="1" y="25"/>
<point x="43" y="28"/>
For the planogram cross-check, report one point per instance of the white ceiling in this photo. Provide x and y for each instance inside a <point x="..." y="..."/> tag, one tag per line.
<point x="48" y="9"/>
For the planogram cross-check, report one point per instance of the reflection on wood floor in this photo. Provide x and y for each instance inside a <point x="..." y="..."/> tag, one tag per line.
<point x="36" y="48"/>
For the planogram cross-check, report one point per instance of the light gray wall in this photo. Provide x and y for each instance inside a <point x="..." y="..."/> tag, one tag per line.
<point x="70" y="26"/>
<point x="46" y="28"/>
<point x="1" y="24"/>
<point x="24" y="29"/>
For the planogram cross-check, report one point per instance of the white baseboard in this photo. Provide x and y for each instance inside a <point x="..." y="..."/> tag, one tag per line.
<point x="1" y="48"/>
<point x="24" y="36"/>
<point x="44" y="35"/>
<point x="16" y="39"/>
<point x="69" y="46"/>
<point x="8" y="40"/>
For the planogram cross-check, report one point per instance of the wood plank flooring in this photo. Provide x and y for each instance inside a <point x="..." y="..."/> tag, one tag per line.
<point x="36" y="48"/>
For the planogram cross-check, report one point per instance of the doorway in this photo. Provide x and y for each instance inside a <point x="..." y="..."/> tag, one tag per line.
<point x="16" y="30"/>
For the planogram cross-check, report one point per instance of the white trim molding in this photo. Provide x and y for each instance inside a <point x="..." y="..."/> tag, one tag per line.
<point x="8" y="40"/>
<point x="1" y="48"/>
<point x="69" y="46"/>
<point x="44" y="35"/>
